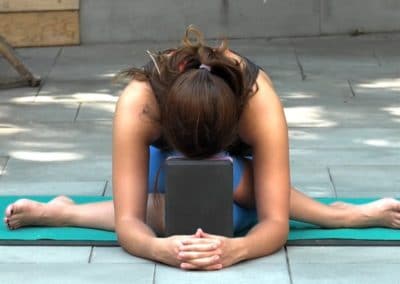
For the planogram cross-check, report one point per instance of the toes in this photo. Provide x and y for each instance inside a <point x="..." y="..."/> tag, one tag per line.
<point x="10" y="210"/>
<point x="6" y="222"/>
<point x="397" y="206"/>
<point x="12" y="225"/>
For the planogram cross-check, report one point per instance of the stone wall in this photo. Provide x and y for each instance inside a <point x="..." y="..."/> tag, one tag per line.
<point x="130" y="20"/>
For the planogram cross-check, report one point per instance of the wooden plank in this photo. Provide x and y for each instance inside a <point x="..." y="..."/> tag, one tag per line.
<point x="37" y="5"/>
<point x="25" y="29"/>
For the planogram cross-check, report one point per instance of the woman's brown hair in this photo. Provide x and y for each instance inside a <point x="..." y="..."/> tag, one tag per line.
<point x="200" y="107"/>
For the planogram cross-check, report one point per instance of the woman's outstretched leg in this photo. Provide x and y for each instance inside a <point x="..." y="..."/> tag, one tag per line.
<point x="384" y="212"/>
<point x="60" y="211"/>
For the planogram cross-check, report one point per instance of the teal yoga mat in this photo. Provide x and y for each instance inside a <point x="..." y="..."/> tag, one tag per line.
<point x="300" y="233"/>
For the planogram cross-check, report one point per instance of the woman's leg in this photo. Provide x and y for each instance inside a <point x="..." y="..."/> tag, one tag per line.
<point x="384" y="212"/>
<point x="60" y="211"/>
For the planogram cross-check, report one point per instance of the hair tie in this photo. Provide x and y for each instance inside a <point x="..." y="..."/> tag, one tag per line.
<point x="204" y="66"/>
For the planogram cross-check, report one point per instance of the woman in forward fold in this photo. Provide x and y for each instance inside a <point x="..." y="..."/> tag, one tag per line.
<point x="200" y="101"/>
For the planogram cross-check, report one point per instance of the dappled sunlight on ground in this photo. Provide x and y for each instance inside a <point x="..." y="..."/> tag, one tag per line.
<point x="303" y="135"/>
<point x="9" y="129"/>
<point x="44" y="145"/>
<point x="394" y="111"/>
<point x="26" y="99"/>
<point x="77" y="97"/>
<point x="378" y="143"/>
<point x="299" y="95"/>
<point x="45" y="156"/>
<point x="108" y="75"/>
<point x="308" y="116"/>
<point x="391" y="84"/>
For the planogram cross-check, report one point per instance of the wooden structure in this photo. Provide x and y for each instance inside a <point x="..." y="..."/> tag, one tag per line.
<point x="40" y="22"/>
<point x="25" y="23"/>
<point x="26" y="76"/>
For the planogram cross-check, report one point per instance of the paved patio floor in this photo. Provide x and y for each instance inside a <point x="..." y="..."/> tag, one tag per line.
<point x="342" y="102"/>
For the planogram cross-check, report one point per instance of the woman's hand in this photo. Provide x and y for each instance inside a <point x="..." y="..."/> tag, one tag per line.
<point x="203" y="252"/>
<point x="194" y="255"/>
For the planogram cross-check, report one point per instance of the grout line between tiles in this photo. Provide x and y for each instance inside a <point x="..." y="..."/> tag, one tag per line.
<point x="351" y="88"/>
<point x="91" y="254"/>
<point x="332" y="182"/>
<point x="105" y="188"/>
<point x="302" y="73"/>
<point x="77" y="112"/>
<point x="43" y="81"/>
<point x="2" y="170"/>
<point x="377" y="58"/>
<point x="154" y="273"/>
<point x="288" y="265"/>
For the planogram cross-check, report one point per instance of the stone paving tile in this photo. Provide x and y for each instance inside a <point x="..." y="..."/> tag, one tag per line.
<point x="43" y="254"/>
<point x="342" y="255"/>
<point x="346" y="58"/>
<point x="343" y="264"/>
<point x="376" y="90"/>
<point x="3" y="162"/>
<point x="61" y="273"/>
<point x="94" y="62"/>
<point x="388" y="55"/>
<point x="38" y="112"/>
<point x="109" y="189"/>
<point x="96" y="111"/>
<point x="21" y="94"/>
<point x="366" y="181"/>
<point x="52" y="188"/>
<point x="330" y="103"/>
<point x="56" y="141"/>
<point x="339" y="157"/>
<point x="342" y="138"/>
<point x="38" y="60"/>
<point x="345" y="273"/>
<point x="276" y="57"/>
<point x="115" y="255"/>
<point x="343" y="116"/>
<point x="76" y="90"/>
<point x="314" y="181"/>
<point x="65" y="167"/>
<point x="271" y="269"/>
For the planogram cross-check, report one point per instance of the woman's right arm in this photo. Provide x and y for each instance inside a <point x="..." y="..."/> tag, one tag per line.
<point x="135" y="127"/>
<point x="133" y="132"/>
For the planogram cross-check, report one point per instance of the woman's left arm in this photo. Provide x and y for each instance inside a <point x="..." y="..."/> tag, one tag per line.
<point x="263" y="126"/>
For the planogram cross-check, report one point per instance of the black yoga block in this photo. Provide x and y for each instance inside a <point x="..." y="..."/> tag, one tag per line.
<point x="199" y="194"/>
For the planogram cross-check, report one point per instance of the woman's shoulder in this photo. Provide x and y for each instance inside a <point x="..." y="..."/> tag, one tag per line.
<point x="138" y="95"/>
<point x="263" y="107"/>
<point x="137" y="107"/>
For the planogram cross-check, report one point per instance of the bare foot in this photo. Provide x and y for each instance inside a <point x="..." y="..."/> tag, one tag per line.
<point x="25" y="212"/>
<point x="384" y="212"/>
